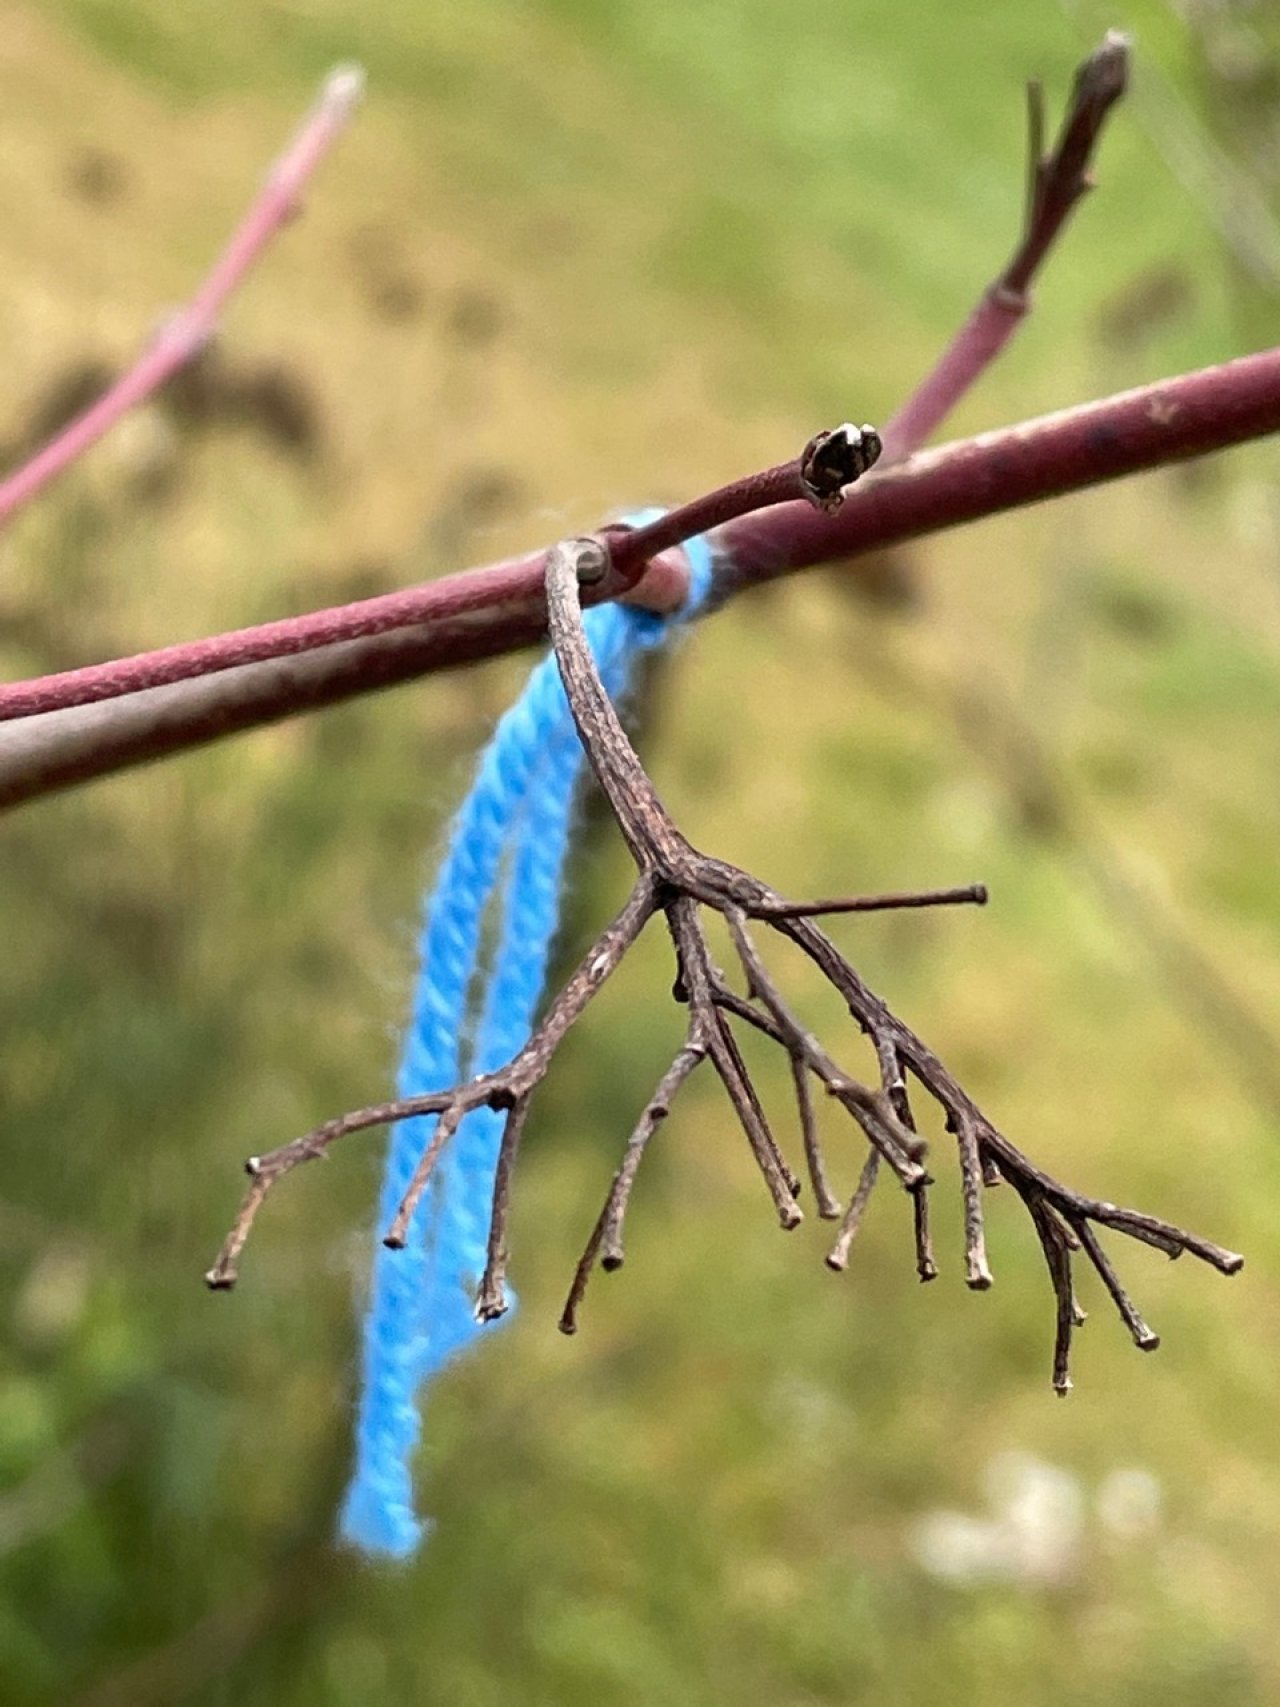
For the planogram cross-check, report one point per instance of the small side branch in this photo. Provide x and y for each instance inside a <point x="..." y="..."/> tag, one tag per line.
<point x="605" y="1243"/>
<point x="509" y="1088"/>
<point x="1056" y="182"/>
<point x="894" y="1085"/>
<point x="977" y="1273"/>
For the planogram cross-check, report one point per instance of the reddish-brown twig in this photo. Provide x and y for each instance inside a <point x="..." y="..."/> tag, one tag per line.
<point x="483" y="612"/>
<point x="186" y="333"/>
<point x="1057" y="180"/>
<point x="360" y="648"/>
<point x="258" y="675"/>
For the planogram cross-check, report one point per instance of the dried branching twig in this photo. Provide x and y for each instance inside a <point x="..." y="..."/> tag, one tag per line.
<point x="677" y="880"/>
<point x="766" y="524"/>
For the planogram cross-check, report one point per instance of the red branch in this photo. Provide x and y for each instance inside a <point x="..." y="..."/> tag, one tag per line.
<point x="482" y="613"/>
<point x="1057" y="181"/>
<point x="59" y="730"/>
<point x="1170" y="421"/>
<point x="186" y="333"/>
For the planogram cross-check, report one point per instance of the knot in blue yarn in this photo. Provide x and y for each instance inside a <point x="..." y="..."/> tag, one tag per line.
<point x="512" y="833"/>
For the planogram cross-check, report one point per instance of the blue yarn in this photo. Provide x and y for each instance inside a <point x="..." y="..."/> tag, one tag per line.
<point x="514" y="827"/>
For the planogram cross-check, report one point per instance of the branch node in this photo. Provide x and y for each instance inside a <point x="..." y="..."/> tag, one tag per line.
<point x="591" y="561"/>
<point x="833" y="460"/>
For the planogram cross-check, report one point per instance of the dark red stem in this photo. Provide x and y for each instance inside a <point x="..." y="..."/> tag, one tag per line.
<point x="282" y="668"/>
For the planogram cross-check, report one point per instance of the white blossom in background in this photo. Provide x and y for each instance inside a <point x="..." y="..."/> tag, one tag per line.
<point x="1040" y="1509"/>
<point x="959" y="1548"/>
<point x="1035" y="1530"/>
<point x="1130" y="1504"/>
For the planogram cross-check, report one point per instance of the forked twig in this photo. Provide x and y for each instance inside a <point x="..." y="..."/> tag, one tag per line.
<point x="1056" y="181"/>
<point x="677" y="880"/>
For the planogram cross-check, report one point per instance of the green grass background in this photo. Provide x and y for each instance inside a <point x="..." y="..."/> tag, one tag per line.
<point x="577" y="255"/>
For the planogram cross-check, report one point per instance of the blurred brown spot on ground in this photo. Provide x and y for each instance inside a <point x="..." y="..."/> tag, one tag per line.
<point x="393" y="291"/>
<point x="1143" y="306"/>
<point x="1138" y="614"/>
<point x="270" y="398"/>
<point x="97" y="177"/>
<point x="475" y="316"/>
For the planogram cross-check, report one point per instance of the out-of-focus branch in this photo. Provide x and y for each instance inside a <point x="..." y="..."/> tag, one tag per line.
<point x="284" y="668"/>
<point x="186" y="333"/>
<point x="1056" y="182"/>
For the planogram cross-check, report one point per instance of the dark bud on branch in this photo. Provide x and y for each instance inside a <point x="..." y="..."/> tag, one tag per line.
<point x="833" y="460"/>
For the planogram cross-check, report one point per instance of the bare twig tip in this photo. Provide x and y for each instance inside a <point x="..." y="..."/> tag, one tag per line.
<point x="833" y="460"/>
<point x="344" y="88"/>
<point x="1104" y="76"/>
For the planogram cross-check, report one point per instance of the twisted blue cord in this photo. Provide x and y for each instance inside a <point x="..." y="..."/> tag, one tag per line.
<point x="515" y="826"/>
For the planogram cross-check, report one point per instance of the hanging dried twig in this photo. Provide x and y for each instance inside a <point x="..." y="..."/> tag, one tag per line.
<point x="677" y="880"/>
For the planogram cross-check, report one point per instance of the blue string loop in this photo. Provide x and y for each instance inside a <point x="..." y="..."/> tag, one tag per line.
<point x="513" y="829"/>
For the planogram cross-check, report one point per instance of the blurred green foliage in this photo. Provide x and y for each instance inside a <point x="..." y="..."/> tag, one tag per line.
<point x="572" y="256"/>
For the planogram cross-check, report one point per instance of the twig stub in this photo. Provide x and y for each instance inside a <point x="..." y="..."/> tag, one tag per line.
<point x="835" y="459"/>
